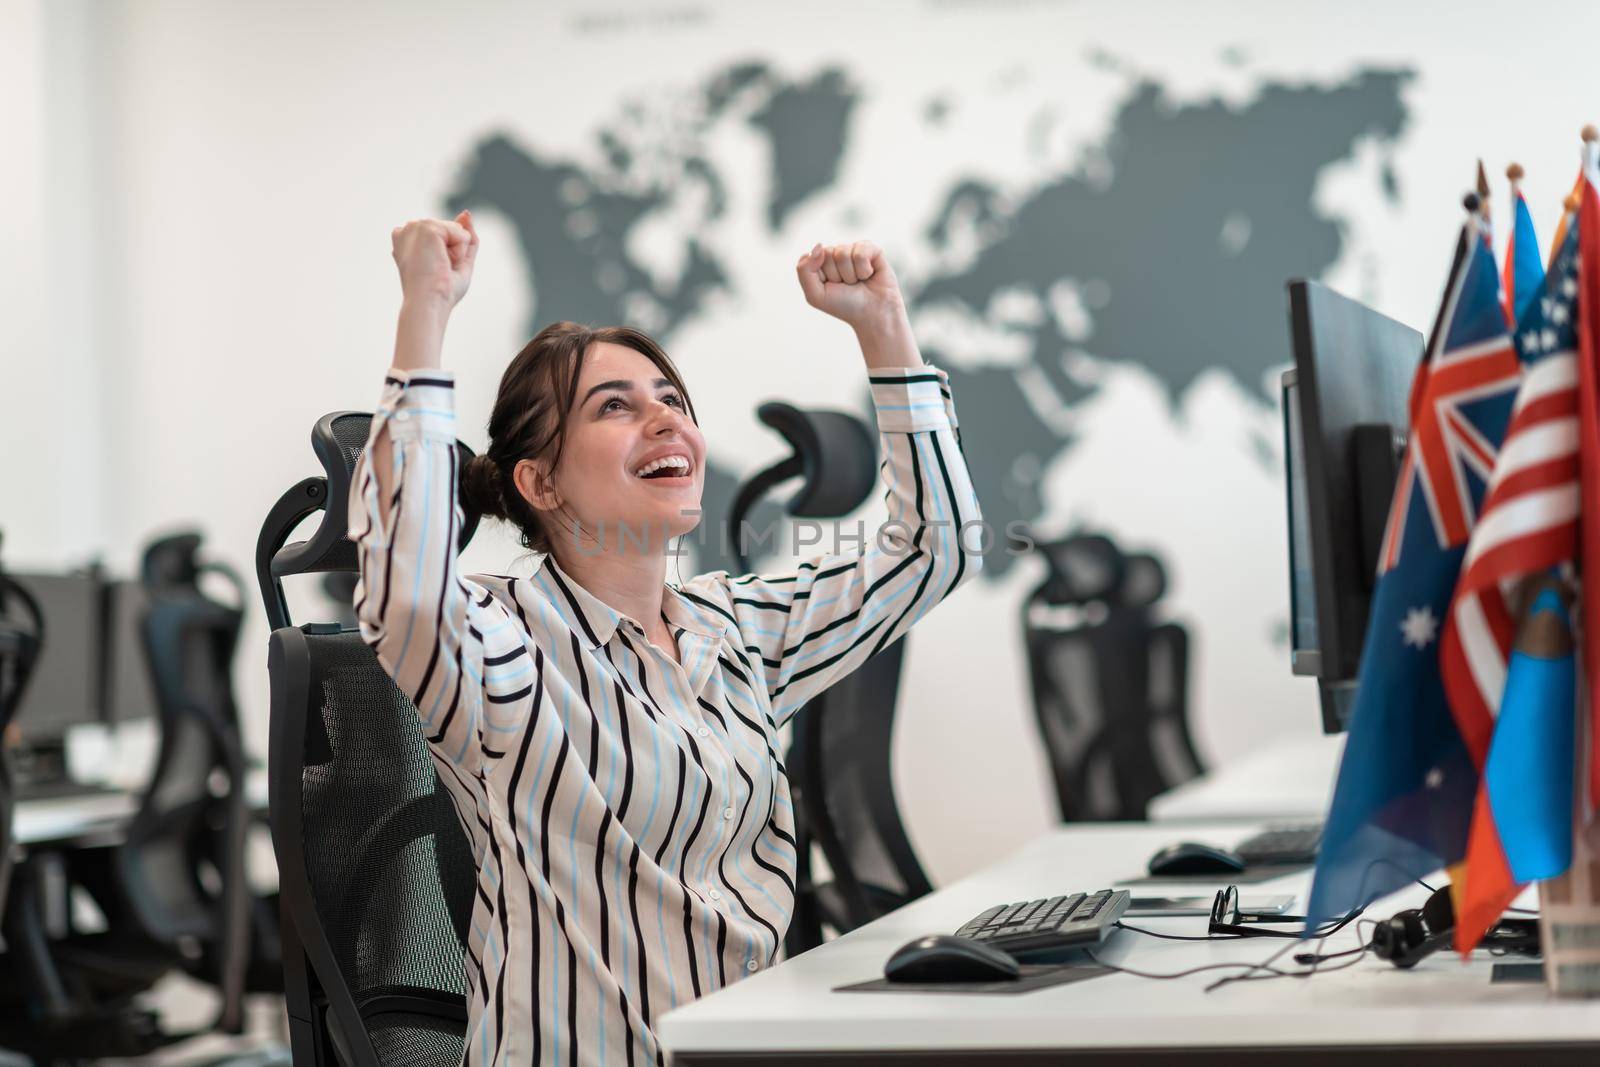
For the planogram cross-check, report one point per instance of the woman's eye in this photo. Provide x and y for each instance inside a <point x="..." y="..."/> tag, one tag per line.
<point x="674" y="399"/>
<point x="607" y="405"/>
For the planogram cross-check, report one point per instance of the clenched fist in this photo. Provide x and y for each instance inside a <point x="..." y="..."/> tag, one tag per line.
<point x="854" y="283"/>
<point x="435" y="258"/>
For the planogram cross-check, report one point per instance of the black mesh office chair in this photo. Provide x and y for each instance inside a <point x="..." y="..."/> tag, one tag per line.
<point x="375" y="870"/>
<point x="839" y="754"/>
<point x="174" y="891"/>
<point x="1110" y="681"/>
<point x="21" y="638"/>
<point x="182" y="864"/>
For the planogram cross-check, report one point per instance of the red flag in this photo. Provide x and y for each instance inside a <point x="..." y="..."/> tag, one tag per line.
<point x="1589" y="458"/>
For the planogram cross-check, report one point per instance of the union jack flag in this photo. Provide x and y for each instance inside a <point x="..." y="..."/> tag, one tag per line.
<point x="1477" y="362"/>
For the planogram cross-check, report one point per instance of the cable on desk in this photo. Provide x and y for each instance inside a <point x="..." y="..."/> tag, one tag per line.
<point x="1251" y="969"/>
<point x="1520" y="911"/>
<point x="1174" y="974"/>
<point x="1178" y="937"/>
<point x="1264" y="970"/>
<point x="1316" y="959"/>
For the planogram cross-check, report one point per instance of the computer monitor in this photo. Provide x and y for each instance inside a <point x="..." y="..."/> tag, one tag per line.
<point x="1345" y="411"/>
<point x="130" y="691"/>
<point x="68" y="684"/>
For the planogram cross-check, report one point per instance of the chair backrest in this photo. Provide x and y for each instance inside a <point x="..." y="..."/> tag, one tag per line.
<point x="844" y="754"/>
<point x="375" y="871"/>
<point x="181" y="867"/>
<point x="375" y="868"/>
<point x="21" y="638"/>
<point x="1109" y="680"/>
<point x="839" y="756"/>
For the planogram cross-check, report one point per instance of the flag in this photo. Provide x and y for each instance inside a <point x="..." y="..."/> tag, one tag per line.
<point x="1522" y="823"/>
<point x="1528" y="526"/>
<point x="1569" y="215"/>
<point x="1403" y="801"/>
<point x="1524" y="271"/>
<point x="1589" y="455"/>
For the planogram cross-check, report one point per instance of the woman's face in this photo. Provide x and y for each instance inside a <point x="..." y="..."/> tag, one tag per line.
<point x="627" y="418"/>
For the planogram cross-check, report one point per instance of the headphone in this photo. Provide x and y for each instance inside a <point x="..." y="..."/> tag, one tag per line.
<point x="1411" y="936"/>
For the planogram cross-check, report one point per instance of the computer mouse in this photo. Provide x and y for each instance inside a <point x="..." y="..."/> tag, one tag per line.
<point x="947" y="958"/>
<point x="1192" y="857"/>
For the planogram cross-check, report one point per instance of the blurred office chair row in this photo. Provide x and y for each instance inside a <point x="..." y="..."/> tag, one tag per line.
<point x="170" y="884"/>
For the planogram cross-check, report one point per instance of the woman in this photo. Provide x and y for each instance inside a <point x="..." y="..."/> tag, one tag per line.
<point x="611" y="741"/>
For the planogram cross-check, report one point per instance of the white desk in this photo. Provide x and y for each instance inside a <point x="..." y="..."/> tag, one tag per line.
<point x="1371" y="1011"/>
<point x="1286" y="780"/>
<point x="97" y="818"/>
<point x="81" y="819"/>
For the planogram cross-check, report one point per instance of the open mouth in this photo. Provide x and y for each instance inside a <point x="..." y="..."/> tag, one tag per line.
<point x="671" y="470"/>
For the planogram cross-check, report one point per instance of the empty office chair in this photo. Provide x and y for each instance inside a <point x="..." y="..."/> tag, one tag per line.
<point x="1109" y="679"/>
<point x="174" y="891"/>
<point x="182" y="865"/>
<point x="838" y="760"/>
<point x="21" y="638"/>
<point x="375" y="870"/>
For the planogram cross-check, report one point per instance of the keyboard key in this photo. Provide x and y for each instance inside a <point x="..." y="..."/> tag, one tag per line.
<point x="1025" y="914"/>
<point x="1067" y="906"/>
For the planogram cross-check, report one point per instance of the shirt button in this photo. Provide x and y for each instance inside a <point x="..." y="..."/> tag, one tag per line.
<point x="727" y="813"/>
<point x="715" y="894"/>
<point x="752" y="966"/>
<point x="703" y="732"/>
<point x="401" y="416"/>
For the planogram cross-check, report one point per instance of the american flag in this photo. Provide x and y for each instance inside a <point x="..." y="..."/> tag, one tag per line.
<point x="1529" y="518"/>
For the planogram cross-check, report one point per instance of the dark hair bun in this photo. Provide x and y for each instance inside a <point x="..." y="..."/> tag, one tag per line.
<point x="480" y="488"/>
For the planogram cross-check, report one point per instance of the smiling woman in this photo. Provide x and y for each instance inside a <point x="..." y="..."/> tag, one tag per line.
<point x="609" y="401"/>
<point x="610" y="741"/>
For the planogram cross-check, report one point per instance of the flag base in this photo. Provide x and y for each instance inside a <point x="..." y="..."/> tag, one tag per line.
<point x="1569" y="905"/>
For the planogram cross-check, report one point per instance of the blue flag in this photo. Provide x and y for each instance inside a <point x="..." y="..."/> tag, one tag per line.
<point x="1403" y="803"/>
<point x="1524" y="270"/>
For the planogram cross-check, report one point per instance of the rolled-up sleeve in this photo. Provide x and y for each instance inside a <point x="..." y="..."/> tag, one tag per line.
<point x="821" y="620"/>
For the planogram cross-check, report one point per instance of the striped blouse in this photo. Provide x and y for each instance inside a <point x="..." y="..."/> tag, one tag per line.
<point x="630" y="813"/>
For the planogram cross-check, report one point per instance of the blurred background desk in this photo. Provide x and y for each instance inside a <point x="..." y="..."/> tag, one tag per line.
<point x="96" y="819"/>
<point x="1287" y="780"/>
<point x="1368" y="1013"/>
<point x="82" y="821"/>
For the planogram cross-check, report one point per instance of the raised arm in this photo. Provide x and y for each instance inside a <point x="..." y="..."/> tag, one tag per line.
<point x="428" y="625"/>
<point x="819" y="621"/>
<point x="435" y="259"/>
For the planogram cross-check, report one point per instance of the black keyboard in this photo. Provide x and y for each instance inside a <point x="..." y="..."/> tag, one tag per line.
<point x="1282" y="845"/>
<point x="1073" y="919"/>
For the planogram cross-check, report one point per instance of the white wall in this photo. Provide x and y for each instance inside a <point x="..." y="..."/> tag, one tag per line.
<point x="200" y="266"/>
<point x="53" y="467"/>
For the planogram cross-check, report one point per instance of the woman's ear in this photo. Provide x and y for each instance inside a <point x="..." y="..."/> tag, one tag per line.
<point x="535" y="485"/>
